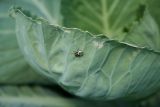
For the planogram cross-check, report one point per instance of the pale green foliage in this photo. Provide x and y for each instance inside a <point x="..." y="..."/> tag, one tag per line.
<point x="120" y="47"/>
<point x="109" y="69"/>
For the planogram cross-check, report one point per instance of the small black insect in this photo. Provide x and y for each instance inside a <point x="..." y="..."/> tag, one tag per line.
<point x="78" y="53"/>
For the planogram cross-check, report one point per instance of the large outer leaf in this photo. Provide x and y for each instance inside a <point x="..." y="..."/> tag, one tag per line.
<point x="13" y="67"/>
<point x="108" y="69"/>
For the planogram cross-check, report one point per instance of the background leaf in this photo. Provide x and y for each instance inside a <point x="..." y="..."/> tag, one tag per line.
<point x="13" y="67"/>
<point x="110" y="17"/>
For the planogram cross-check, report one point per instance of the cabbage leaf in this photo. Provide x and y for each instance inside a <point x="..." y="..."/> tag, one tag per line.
<point x="108" y="68"/>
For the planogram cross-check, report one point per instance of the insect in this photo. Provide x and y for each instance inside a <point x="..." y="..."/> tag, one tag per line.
<point x="78" y="53"/>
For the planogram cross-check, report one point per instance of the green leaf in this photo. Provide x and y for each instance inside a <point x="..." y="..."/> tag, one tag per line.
<point x="110" y="17"/>
<point x="144" y="34"/>
<point x="108" y="69"/>
<point x="13" y="67"/>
